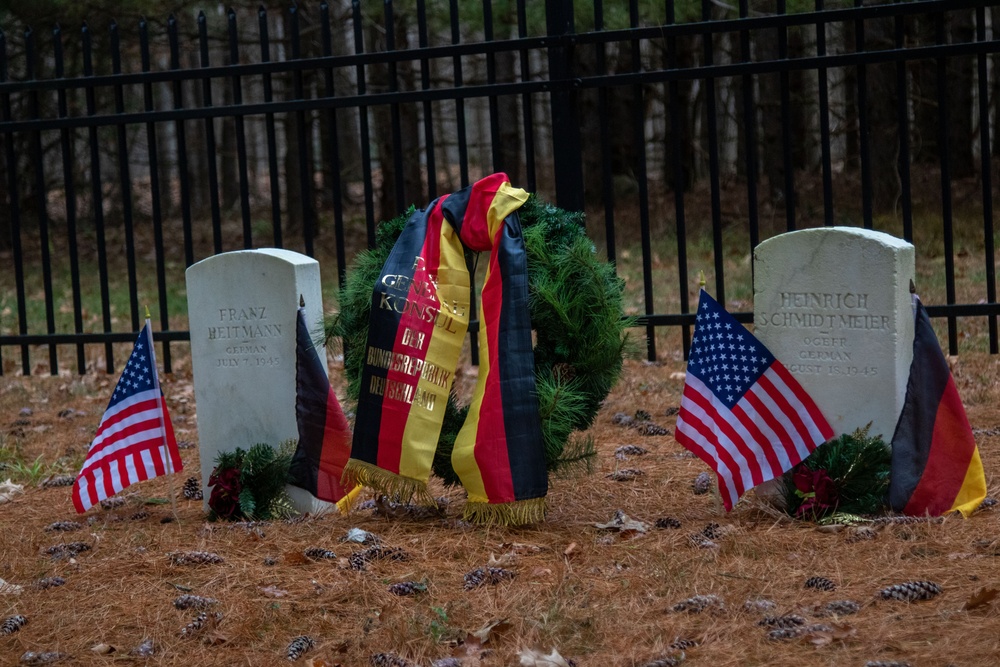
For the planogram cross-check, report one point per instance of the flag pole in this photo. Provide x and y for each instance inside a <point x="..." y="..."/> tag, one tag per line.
<point x="159" y="412"/>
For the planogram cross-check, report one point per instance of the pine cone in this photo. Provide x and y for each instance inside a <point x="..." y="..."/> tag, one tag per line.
<point x="194" y="602"/>
<point x="57" y="481"/>
<point x="821" y="584"/>
<point x="483" y="576"/>
<point x="839" y="608"/>
<point x="910" y="591"/>
<point x="319" y="553"/>
<point x="69" y="550"/>
<point x="667" y="522"/>
<point x="192" y="489"/>
<point x="699" y="603"/>
<point x="49" y="582"/>
<point x="63" y="526"/>
<point x="642" y="416"/>
<point x="139" y="516"/>
<point x="649" y="428"/>
<point x="388" y="660"/>
<point x="886" y="663"/>
<point x="786" y="621"/>
<point x="797" y="631"/>
<point x="622" y="419"/>
<point x="113" y="502"/>
<point x="702" y="542"/>
<point x="404" y="588"/>
<point x="625" y="451"/>
<point x="759" y="605"/>
<point x="360" y="559"/>
<point x="200" y="622"/>
<point x="44" y="658"/>
<point x="12" y="624"/>
<point x="194" y="558"/>
<point x="299" y="646"/>
<point x="988" y="502"/>
<point x="713" y="531"/>
<point x="683" y="643"/>
<point x="625" y="475"/>
<point x="447" y="662"/>
<point x="701" y="484"/>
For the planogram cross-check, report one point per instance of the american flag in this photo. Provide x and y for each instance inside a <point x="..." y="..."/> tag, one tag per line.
<point x="742" y="412"/>
<point x="134" y="436"/>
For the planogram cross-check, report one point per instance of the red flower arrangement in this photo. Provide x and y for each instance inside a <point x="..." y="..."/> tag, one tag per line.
<point x="226" y="488"/>
<point x="817" y="490"/>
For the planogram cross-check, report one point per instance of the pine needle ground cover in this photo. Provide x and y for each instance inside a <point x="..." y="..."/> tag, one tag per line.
<point x="667" y="573"/>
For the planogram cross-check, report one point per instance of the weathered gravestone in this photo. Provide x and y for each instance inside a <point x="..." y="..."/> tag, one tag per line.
<point x="834" y="306"/>
<point x="242" y="309"/>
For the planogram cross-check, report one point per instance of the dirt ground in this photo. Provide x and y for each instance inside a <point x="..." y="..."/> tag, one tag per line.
<point x="597" y="597"/>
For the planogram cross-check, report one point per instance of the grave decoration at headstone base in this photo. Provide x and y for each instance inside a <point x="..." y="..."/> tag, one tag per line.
<point x="243" y="308"/>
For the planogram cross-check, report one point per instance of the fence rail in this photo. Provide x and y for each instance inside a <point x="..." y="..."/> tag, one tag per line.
<point x="143" y="150"/>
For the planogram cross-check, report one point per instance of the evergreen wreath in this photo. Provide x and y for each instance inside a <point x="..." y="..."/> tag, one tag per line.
<point x="250" y="485"/>
<point x="848" y="475"/>
<point x="576" y="313"/>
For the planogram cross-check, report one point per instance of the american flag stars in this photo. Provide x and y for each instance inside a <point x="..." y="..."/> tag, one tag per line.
<point x="724" y="355"/>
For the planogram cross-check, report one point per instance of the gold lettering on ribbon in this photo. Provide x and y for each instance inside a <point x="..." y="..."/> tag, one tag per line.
<point x="408" y="365"/>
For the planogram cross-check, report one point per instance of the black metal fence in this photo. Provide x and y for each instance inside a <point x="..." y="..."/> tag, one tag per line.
<point x="144" y="147"/>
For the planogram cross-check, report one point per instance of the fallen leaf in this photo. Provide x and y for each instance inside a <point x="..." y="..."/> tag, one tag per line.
<point x="295" y="558"/>
<point x="10" y="589"/>
<point x="677" y="375"/>
<point x="532" y="658"/>
<point x="623" y="523"/>
<point x="959" y="555"/>
<point x="273" y="592"/>
<point x="505" y="560"/>
<point x="320" y="662"/>
<point x="103" y="649"/>
<point x="520" y="548"/>
<point x="216" y="638"/>
<point x="838" y="632"/>
<point x="497" y="627"/>
<point x="983" y="596"/>
<point x="541" y="573"/>
<point x="570" y="551"/>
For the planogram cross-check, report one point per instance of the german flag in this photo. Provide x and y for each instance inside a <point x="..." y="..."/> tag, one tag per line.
<point x="936" y="467"/>
<point x="324" y="434"/>
<point x="420" y="314"/>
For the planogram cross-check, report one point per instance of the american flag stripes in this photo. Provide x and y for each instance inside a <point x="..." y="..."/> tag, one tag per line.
<point x="135" y="435"/>
<point x="741" y="411"/>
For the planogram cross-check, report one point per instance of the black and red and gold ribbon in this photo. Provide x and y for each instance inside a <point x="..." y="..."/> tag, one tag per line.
<point x="420" y="314"/>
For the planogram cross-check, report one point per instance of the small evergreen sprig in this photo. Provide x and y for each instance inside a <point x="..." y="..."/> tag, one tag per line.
<point x="250" y="484"/>
<point x="856" y="465"/>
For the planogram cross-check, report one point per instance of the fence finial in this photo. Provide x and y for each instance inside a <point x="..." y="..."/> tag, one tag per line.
<point x="147" y="312"/>
<point x="302" y="301"/>
<point x="701" y="279"/>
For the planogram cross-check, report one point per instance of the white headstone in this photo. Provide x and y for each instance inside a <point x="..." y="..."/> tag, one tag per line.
<point x="242" y="309"/>
<point x="834" y="306"/>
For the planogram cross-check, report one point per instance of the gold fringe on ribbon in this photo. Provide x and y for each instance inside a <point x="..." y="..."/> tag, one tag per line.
<point x="517" y="513"/>
<point x="398" y="488"/>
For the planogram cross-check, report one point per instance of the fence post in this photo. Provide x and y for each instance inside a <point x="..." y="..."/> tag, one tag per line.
<point x="567" y="160"/>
